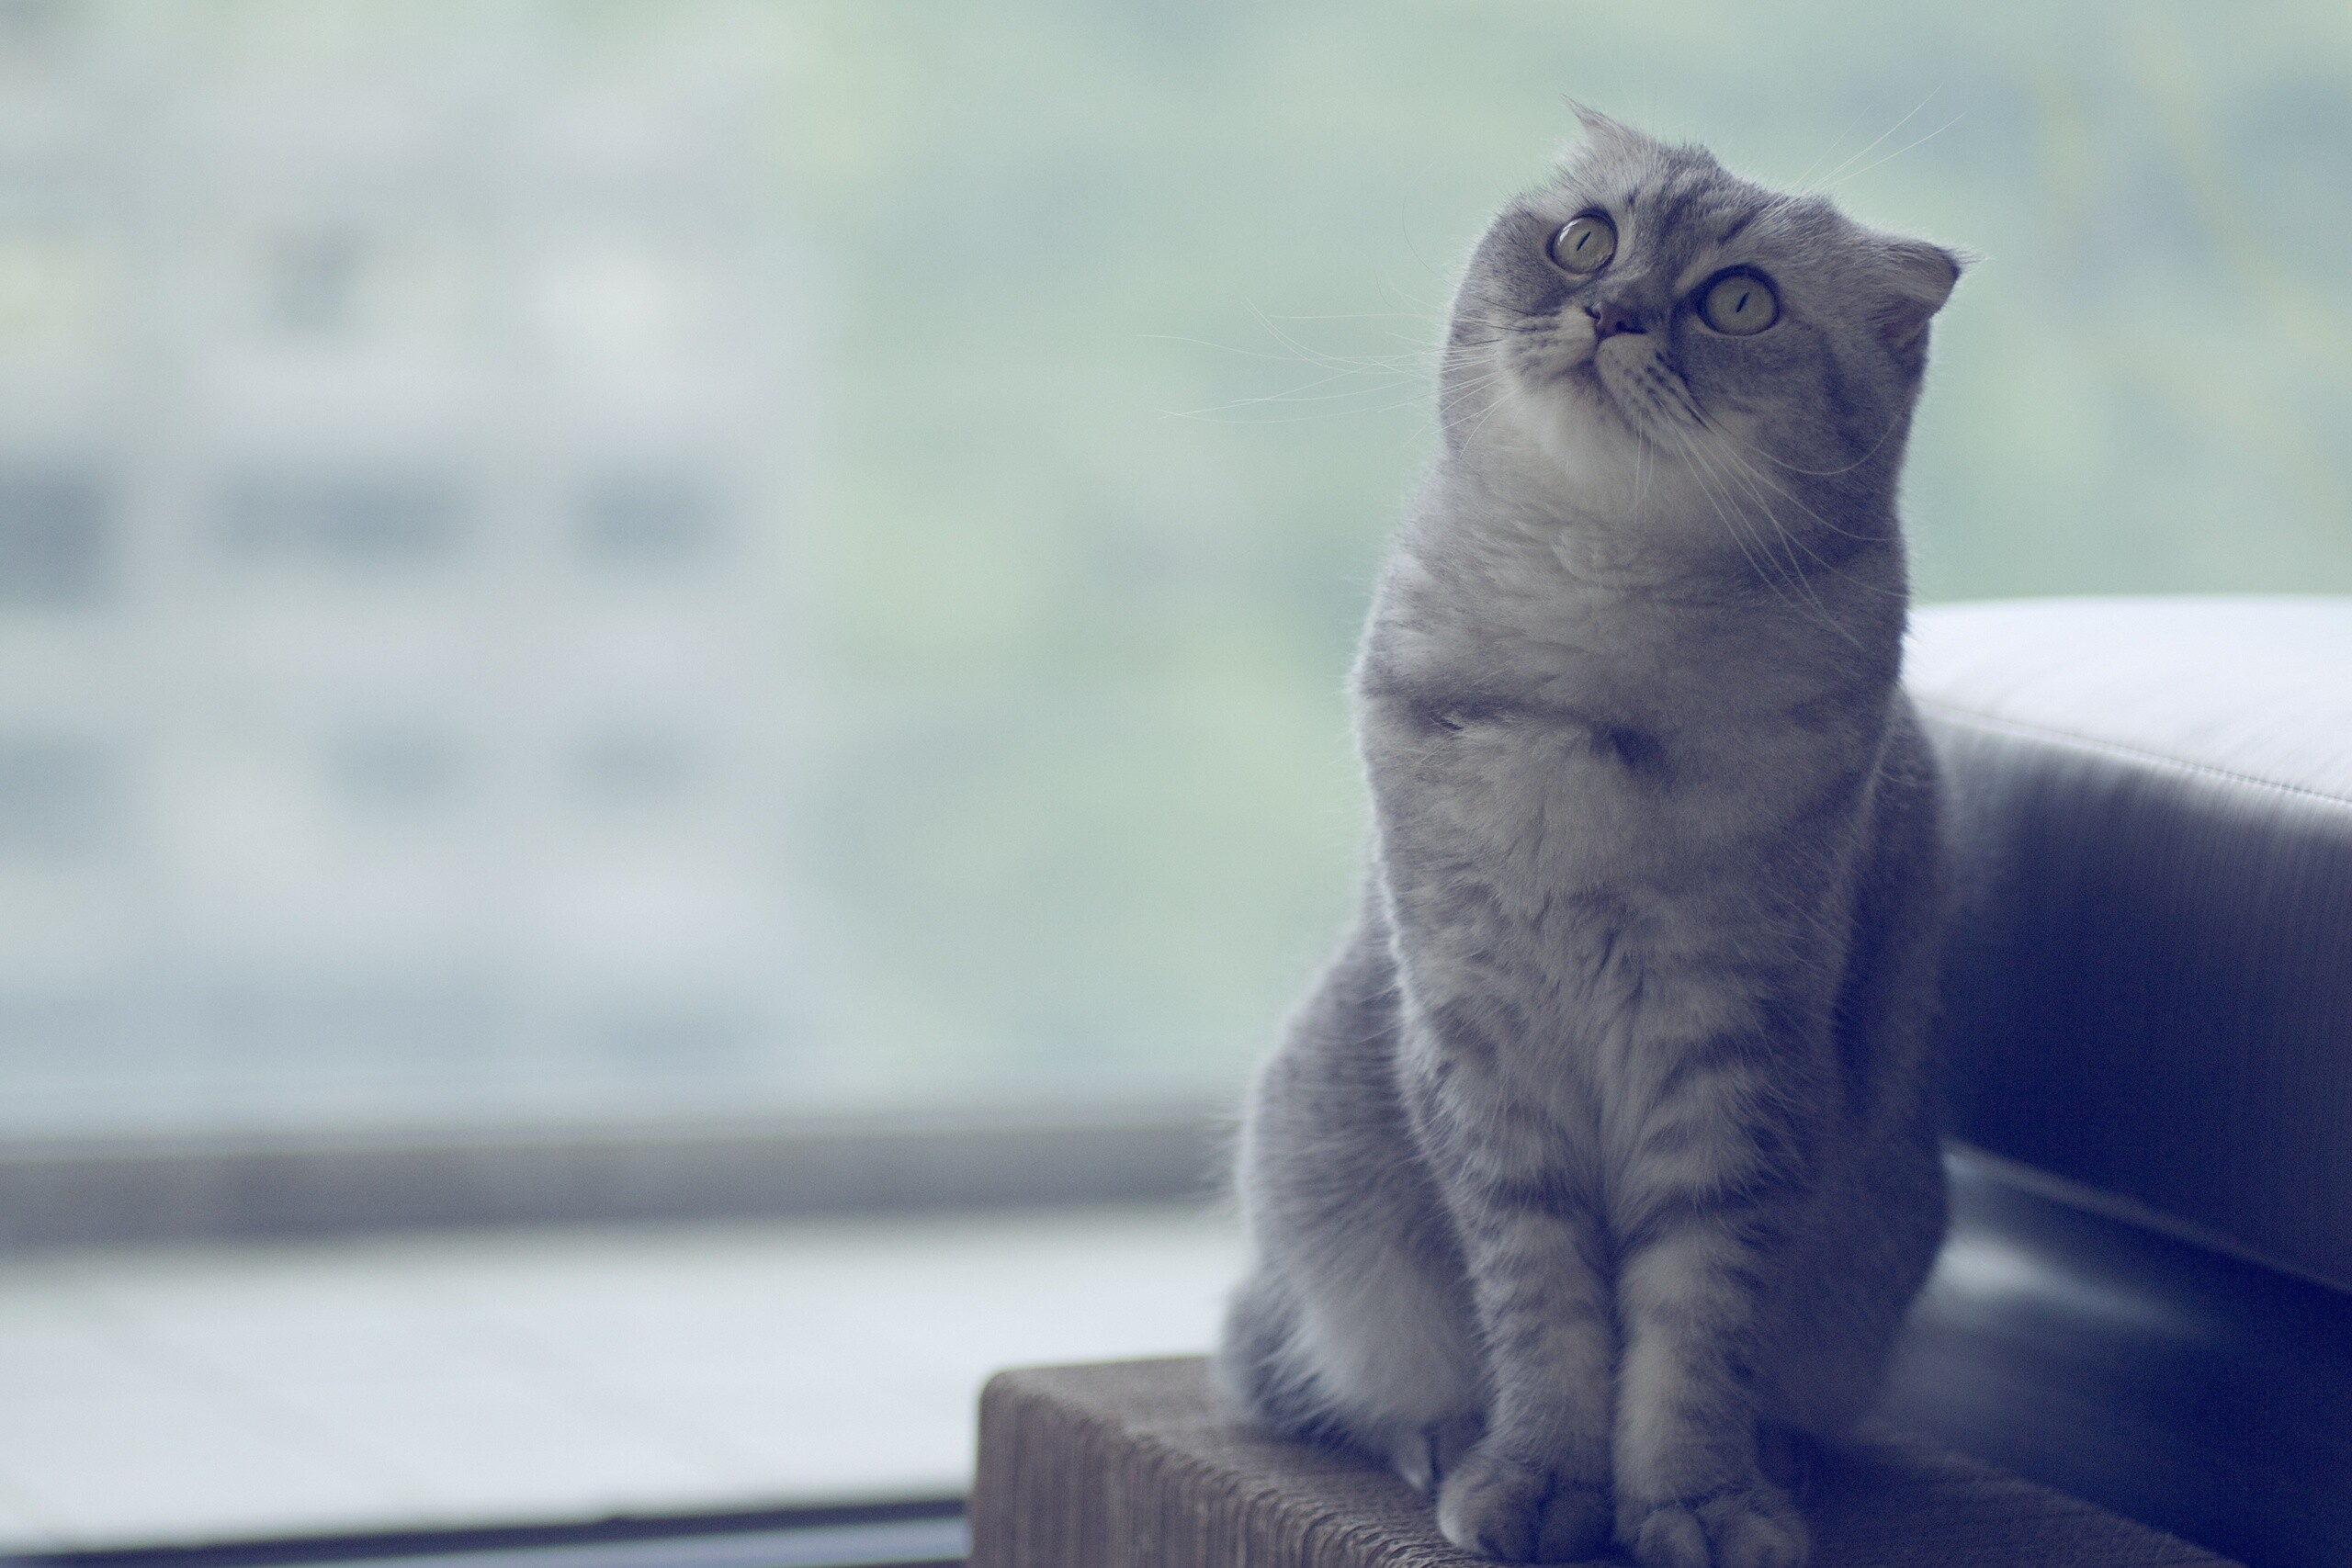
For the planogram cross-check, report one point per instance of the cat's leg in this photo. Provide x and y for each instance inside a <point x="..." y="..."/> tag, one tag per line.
<point x="1365" y="1345"/>
<point x="1790" y="1456"/>
<point x="1875" y="1234"/>
<point x="1692" y="1491"/>
<point x="1354" y="1325"/>
<point x="1536" y="1486"/>
<point x="1372" y="1350"/>
<point x="1882" y="1209"/>
<point x="1702" y="1237"/>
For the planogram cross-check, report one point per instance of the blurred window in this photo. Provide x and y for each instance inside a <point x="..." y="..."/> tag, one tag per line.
<point x="396" y="770"/>
<point x="54" y="548"/>
<point x="354" y="521"/>
<point x="314" y="282"/>
<point x="59" y="797"/>
<point x="647" y="521"/>
<point x="732" y="558"/>
<point x="587" y="583"/>
<point x="634" y="767"/>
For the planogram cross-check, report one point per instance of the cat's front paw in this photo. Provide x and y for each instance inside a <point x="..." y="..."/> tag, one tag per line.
<point x="1755" y="1526"/>
<point x="1521" y="1512"/>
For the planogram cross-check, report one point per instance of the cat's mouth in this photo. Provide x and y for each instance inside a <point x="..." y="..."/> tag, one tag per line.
<point x="1627" y="386"/>
<point x="1548" y="357"/>
<point x="1651" y="390"/>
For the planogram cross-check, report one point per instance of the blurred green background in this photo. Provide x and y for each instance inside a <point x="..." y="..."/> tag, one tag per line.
<point x="1128" y="359"/>
<point x="1105" y="348"/>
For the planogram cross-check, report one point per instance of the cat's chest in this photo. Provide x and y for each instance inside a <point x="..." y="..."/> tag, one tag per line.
<point x="1606" y="730"/>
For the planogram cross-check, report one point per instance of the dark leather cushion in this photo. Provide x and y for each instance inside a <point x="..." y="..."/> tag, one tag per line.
<point x="2150" y="985"/>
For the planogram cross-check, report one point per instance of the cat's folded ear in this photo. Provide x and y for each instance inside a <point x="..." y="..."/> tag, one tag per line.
<point x="1919" y="279"/>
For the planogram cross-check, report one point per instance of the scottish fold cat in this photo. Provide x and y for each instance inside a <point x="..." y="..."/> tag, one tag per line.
<point x="1599" y="1170"/>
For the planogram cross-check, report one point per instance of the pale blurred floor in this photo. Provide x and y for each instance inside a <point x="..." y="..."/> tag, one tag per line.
<point x="226" y="1392"/>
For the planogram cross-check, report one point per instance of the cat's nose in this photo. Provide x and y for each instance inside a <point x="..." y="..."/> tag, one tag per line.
<point x="1611" y="318"/>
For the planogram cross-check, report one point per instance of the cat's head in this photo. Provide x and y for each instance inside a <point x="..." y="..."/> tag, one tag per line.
<point x="1659" y="332"/>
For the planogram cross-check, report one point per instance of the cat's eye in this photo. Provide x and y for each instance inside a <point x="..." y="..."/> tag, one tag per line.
<point x="1739" y="303"/>
<point x="1583" y="244"/>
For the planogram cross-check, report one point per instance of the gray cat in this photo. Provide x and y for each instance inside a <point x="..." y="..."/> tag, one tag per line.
<point x="1592" y="1182"/>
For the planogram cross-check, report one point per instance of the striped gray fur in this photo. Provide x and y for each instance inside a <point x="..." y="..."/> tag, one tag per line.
<point x="1594" y="1179"/>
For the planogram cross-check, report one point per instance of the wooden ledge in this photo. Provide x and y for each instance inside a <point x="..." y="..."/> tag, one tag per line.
<point x="1134" y="1464"/>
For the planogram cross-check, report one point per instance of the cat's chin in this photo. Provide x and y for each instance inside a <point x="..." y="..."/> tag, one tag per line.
<point x="1633" y="512"/>
<point x="1577" y="447"/>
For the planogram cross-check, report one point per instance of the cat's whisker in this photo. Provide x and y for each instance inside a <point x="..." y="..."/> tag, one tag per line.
<point x="1727" y="515"/>
<point x="1898" y="152"/>
<point x="1391" y="369"/>
<point x="1353" y="316"/>
<point x="1799" y="578"/>
<point x="1864" y="151"/>
<point x="1839" y="472"/>
<point x="1307" y="351"/>
<point x="1303" y="394"/>
<point x="1800" y="180"/>
<point x="1727" y="465"/>
<point x="1794" y="574"/>
<point x="1759" y="482"/>
<point x="1492" y="406"/>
